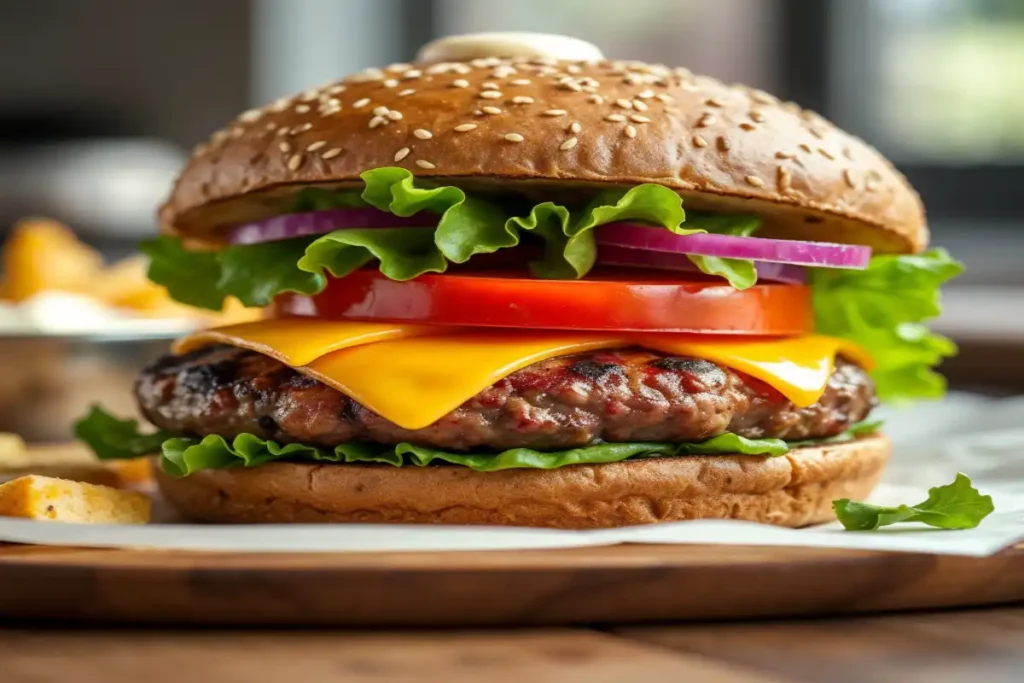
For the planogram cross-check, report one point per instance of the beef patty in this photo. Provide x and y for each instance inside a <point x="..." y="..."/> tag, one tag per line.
<point x="618" y="395"/>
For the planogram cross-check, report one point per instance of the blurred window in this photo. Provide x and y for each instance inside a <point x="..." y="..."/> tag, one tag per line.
<point x="933" y="81"/>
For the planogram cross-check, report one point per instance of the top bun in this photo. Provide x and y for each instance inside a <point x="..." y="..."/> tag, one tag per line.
<point x="546" y="128"/>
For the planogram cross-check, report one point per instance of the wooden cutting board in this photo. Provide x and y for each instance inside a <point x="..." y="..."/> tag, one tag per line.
<point x="621" y="584"/>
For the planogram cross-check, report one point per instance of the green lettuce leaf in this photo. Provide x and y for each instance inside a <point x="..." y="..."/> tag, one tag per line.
<point x="466" y="226"/>
<point x="191" y="277"/>
<point x="882" y="309"/>
<point x="113" y="439"/>
<point x="955" y="506"/>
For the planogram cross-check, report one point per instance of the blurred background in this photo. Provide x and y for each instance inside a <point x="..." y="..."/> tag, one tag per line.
<point x="100" y="100"/>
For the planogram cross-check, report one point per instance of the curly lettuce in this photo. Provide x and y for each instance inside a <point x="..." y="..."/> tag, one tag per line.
<point x="466" y="226"/>
<point x="883" y="308"/>
<point x="111" y="438"/>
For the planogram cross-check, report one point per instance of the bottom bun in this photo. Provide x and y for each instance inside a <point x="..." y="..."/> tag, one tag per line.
<point x="792" y="490"/>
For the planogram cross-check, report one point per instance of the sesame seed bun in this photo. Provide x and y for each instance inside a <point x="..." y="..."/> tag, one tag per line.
<point x="544" y="127"/>
<point x="793" y="490"/>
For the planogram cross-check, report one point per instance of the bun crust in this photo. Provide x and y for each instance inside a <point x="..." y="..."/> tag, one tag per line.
<point x="793" y="490"/>
<point x="491" y="121"/>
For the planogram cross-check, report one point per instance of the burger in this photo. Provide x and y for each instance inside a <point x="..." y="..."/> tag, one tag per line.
<point x="537" y="290"/>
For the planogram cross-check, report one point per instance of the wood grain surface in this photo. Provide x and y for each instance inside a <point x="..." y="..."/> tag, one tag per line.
<point x="979" y="645"/>
<point x="620" y="585"/>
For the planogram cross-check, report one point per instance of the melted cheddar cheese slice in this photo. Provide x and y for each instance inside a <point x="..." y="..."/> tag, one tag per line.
<point x="413" y="375"/>
<point x="298" y="341"/>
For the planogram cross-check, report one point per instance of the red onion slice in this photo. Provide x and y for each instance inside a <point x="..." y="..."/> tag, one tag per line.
<point x="660" y="260"/>
<point x="289" y="225"/>
<point x="816" y="254"/>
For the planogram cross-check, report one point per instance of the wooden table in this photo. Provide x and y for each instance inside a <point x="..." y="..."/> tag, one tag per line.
<point x="976" y="645"/>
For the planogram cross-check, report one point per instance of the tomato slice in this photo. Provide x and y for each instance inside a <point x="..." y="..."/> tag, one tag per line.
<point x="648" y="303"/>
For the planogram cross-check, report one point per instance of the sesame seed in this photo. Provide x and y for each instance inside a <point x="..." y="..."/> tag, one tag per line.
<point x="302" y="108"/>
<point x="664" y="98"/>
<point x="630" y="131"/>
<point x="281" y="104"/>
<point x="754" y="181"/>
<point x="615" y="118"/>
<point x="575" y="128"/>
<point x="491" y="95"/>
<point x="827" y="154"/>
<point x="460" y="83"/>
<point x="848" y="153"/>
<point x="359" y="104"/>
<point x="632" y="79"/>
<point x="714" y="102"/>
<point x="331" y="153"/>
<point x="251" y="115"/>
<point x="303" y="128"/>
<point x="285" y="147"/>
<point x="412" y="73"/>
<point x="724" y="144"/>
<point x="395" y="115"/>
<point x="330" y="112"/>
<point x="310" y="95"/>
<point x="785" y="155"/>
<point x="423" y="134"/>
<point x="504" y="71"/>
<point x="784" y="179"/>
<point x="314" y="146"/>
<point x="698" y="141"/>
<point x="465" y="127"/>
<point x="390" y="83"/>
<point x="522" y="99"/>
<point x="807" y="148"/>
<point x="848" y="177"/>
<point x="757" y="116"/>
<point x="571" y="85"/>
<point x="871" y="184"/>
<point x="574" y="69"/>
<point x="596" y="99"/>
<point x="381" y="111"/>
<point x="490" y="110"/>
<point x="283" y="130"/>
<point x="707" y="120"/>
<point x="489" y="86"/>
<point x="294" y="162"/>
<point x="761" y="97"/>
<point x="555" y="112"/>
<point x="568" y="144"/>
<point x="402" y="153"/>
<point x="336" y="90"/>
<point x="514" y="137"/>
<point x="646" y="95"/>
<point x="625" y="104"/>
<point x="746" y="125"/>
<point x="271" y="125"/>
<point x="377" y="121"/>
<point x="521" y="81"/>
<point x="406" y="92"/>
<point x="422" y="163"/>
<point x="640" y="105"/>
<point x="636" y="118"/>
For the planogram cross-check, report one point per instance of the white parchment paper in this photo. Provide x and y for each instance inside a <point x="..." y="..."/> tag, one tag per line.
<point x="981" y="437"/>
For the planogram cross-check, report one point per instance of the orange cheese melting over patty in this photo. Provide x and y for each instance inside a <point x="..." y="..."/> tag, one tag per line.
<point x="413" y="375"/>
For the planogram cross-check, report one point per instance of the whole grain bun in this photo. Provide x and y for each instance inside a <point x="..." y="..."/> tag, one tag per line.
<point x="483" y="123"/>
<point x="793" y="490"/>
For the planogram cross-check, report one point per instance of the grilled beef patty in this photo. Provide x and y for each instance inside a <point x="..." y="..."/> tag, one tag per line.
<point x="618" y="395"/>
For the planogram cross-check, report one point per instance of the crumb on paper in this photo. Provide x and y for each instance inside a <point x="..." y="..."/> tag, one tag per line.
<point x="61" y="500"/>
